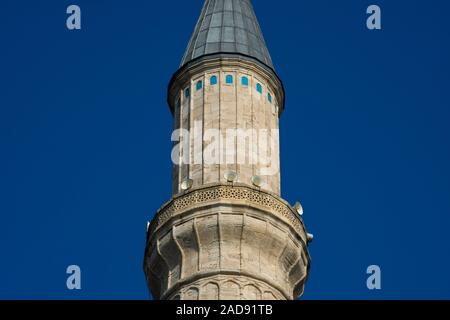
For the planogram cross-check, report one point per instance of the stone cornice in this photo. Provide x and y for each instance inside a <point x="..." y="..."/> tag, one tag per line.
<point x="224" y="229"/>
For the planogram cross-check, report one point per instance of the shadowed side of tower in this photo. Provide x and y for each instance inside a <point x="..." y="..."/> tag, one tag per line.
<point x="226" y="234"/>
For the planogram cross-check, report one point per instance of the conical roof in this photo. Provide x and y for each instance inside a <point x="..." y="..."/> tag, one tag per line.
<point x="228" y="26"/>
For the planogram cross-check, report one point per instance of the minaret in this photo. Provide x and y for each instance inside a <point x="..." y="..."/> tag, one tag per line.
<point x="226" y="234"/>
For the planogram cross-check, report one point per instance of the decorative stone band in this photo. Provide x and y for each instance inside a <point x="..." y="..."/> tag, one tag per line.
<point x="227" y="287"/>
<point x="217" y="192"/>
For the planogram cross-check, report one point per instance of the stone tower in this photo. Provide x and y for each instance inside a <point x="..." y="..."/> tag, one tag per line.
<point x="226" y="234"/>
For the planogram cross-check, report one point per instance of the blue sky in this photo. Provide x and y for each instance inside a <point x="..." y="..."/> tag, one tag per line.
<point x="85" y="141"/>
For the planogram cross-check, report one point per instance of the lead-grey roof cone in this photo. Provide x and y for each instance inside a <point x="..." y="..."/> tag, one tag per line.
<point x="228" y="26"/>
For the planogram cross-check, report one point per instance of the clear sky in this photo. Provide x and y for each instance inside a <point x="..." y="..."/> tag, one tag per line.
<point x="85" y="141"/>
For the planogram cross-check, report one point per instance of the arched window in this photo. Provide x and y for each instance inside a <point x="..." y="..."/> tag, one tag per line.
<point x="259" y="87"/>
<point x="229" y="79"/>
<point x="187" y="92"/>
<point x="269" y="97"/>
<point x="213" y="80"/>
<point x="245" y="81"/>
<point x="199" y="85"/>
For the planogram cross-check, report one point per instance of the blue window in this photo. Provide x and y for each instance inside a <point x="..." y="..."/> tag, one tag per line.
<point x="259" y="87"/>
<point x="245" y="81"/>
<point x="187" y="92"/>
<point x="199" y="85"/>
<point x="269" y="97"/>
<point x="229" y="79"/>
<point x="213" y="80"/>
